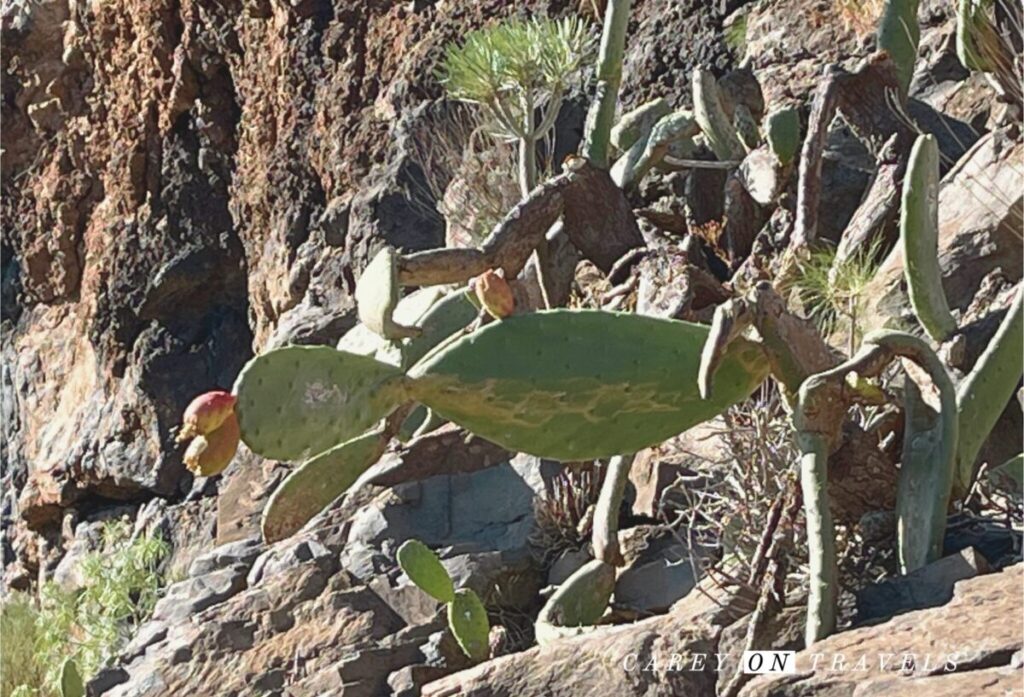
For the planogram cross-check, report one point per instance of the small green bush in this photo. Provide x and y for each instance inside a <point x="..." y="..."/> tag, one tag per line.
<point x="121" y="585"/>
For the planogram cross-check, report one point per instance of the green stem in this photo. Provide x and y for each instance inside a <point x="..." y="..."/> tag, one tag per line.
<point x="606" y="514"/>
<point x="985" y="392"/>
<point x="821" y="546"/>
<point x="609" y="77"/>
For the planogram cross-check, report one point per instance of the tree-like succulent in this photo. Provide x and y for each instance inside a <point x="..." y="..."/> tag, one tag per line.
<point x="515" y="69"/>
<point x="467" y="617"/>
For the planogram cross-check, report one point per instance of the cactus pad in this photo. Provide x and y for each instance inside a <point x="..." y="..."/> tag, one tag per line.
<point x="302" y="400"/>
<point x="377" y="295"/>
<point x="577" y="385"/>
<point x="782" y="131"/>
<point x="71" y="684"/>
<point x="468" y="621"/>
<point x="317" y="482"/>
<point x="579" y="602"/>
<point x="424" y="569"/>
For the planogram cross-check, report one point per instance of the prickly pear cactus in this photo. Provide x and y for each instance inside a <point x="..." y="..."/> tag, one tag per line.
<point x="71" y="684"/>
<point x="377" y="294"/>
<point x="919" y="234"/>
<point x="301" y="400"/>
<point x="578" y="603"/>
<point x="782" y="132"/>
<point x="709" y="111"/>
<point x="898" y="34"/>
<point x="468" y="621"/>
<point x="424" y="569"/>
<point x="576" y="385"/>
<point x="635" y="124"/>
<point x="317" y="482"/>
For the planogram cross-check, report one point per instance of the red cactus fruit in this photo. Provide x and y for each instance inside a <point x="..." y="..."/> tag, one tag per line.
<point x="494" y="294"/>
<point x="206" y="413"/>
<point x="211" y="453"/>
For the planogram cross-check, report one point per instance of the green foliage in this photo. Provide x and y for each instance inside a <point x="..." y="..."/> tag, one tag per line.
<point x="424" y="569"/>
<point x="20" y="672"/>
<point x="468" y="621"/>
<point x="302" y="400"/>
<point x="736" y="36"/>
<point x="508" y="65"/>
<point x="534" y="383"/>
<point x="71" y="684"/>
<point x="317" y="482"/>
<point x="782" y="132"/>
<point x="833" y="292"/>
<point x="121" y="586"/>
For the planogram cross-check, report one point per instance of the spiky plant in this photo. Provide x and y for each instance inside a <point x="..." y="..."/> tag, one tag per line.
<point x="516" y="70"/>
<point x="561" y="514"/>
<point x="833" y="293"/>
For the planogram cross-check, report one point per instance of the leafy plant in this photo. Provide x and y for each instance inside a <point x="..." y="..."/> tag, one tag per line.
<point x="467" y="617"/>
<point x="833" y="292"/>
<point x="515" y="69"/>
<point x="121" y="586"/>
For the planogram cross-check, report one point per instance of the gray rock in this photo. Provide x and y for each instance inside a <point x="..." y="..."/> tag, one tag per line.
<point x="194" y="595"/>
<point x="242" y="552"/>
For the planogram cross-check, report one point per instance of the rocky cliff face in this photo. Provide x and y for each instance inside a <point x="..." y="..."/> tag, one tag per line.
<point x="186" y="182"/>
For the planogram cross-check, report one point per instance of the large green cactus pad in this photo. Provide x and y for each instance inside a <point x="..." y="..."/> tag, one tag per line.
<point x="424" y="569"/>
<point x="579" y="602"/>
<point x="302" y="400"/>
<point x="577" y="385"/>
<point x="468" y="621"/>
<point x="317" y="482"/>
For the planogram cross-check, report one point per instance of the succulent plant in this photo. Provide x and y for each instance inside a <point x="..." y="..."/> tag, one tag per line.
<point x="609" y="76"/>
<point x="467" y="617"/>
<point x="636" y="124"/>
<point x="71" y="684"/>
<point x="919" y="223"/>
<point x="782" y="133"/>
<point x="531" y="383"/>
<point x="709" y="111"/>
<point x="377" y="294"/>
<point x="578" y="603"/>
<point x="978" y="45"/>
<point x="984" y="393"/>
<point x="898" y="34"/>
<point x="317" y="482"/>
<point x="210" y="421"/>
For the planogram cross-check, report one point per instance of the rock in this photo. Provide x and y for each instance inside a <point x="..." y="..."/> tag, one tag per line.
<point x="929" y="586"/>
<point x="671" y="654"/>
<point x="659" y="570"/>
<point x="566" y="564"/>
<point x="193" y="595"/>
<point x="971" y="631"/>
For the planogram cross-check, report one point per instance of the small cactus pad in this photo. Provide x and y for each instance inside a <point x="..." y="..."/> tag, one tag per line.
<point x="898" y="34"/>
<point x="424" y="569"/>
<point x="450" y="314"/>
<point x="71" y="684"/>
<point x="377" y="295"/>
<point x="579" y="602"/>
<point x="302" y="400"/>
<point x="636" y="124"/>
<point x="317" y="482"/>
<point x="782" y="131"/>
<point x="467" y="619"/>
<point x="581" y="384"/>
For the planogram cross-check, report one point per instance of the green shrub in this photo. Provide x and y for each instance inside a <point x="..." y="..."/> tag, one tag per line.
<point x="121" y="586"/>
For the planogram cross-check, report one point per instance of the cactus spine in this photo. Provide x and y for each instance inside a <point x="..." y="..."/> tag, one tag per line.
<point x="919" y="222"/>
<point x="467" y="617"/>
